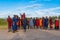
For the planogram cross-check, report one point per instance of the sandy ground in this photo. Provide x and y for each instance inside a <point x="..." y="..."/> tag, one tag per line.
<point x="31" y="34"/>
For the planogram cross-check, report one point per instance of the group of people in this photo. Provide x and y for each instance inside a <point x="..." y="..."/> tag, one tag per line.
<point x="16" y="23"/>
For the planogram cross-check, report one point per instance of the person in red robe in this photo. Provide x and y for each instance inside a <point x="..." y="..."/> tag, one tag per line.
<point x="20" y="23"/>
<point x="37" y="22"/>
<point x="22" y="17"/>
<point x="9" y="21"/>
<point x="56" y="23"/>
<point x="50" y="22"/>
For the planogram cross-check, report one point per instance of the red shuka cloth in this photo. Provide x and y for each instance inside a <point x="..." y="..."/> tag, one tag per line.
<point x="50" y="21"/>
<point x="23" y="15"/>
<point x="37" y="22"/>
<point x="9" y="20"/>
<point x="56" y="23"/>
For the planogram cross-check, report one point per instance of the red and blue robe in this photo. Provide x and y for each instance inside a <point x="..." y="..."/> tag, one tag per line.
<point x="14" y="27"/>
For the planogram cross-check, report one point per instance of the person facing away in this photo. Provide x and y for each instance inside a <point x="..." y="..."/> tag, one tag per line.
<point x="18" y="22"/>
<point x="46" y="23"/>
<point x="28" y="23"/>
<point x="50" y="22"/>
<point x="56" y="23"/>
<point x="43" y="22"/>
<point x="31" y="24"/>
<point x="34" y="21"/>
<point x="14" y="27"/>
<point x="9" y="21"/>
<point x="37" y="23"/>
<point x="40" y="22"/>
<point x="24" y="24"/>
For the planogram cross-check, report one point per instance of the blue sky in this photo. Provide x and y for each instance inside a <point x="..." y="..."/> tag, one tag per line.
<point x="32" y="8"/>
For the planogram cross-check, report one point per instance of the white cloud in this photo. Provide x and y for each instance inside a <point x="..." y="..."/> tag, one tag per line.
<point x="29" y="6"/>
<point x="48" y="12"/>
<point x="34" y="5"/>
<point x="31" y="13"/>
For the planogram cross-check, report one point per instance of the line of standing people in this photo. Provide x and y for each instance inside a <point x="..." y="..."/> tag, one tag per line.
<point x="16" y="23"/>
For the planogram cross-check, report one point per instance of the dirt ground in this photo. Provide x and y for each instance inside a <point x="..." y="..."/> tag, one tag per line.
<point x="31" y="34"/>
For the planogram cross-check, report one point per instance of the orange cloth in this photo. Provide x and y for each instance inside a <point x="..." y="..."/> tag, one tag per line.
<point x="40" y="22"/>
<point x="19" y="23"/>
